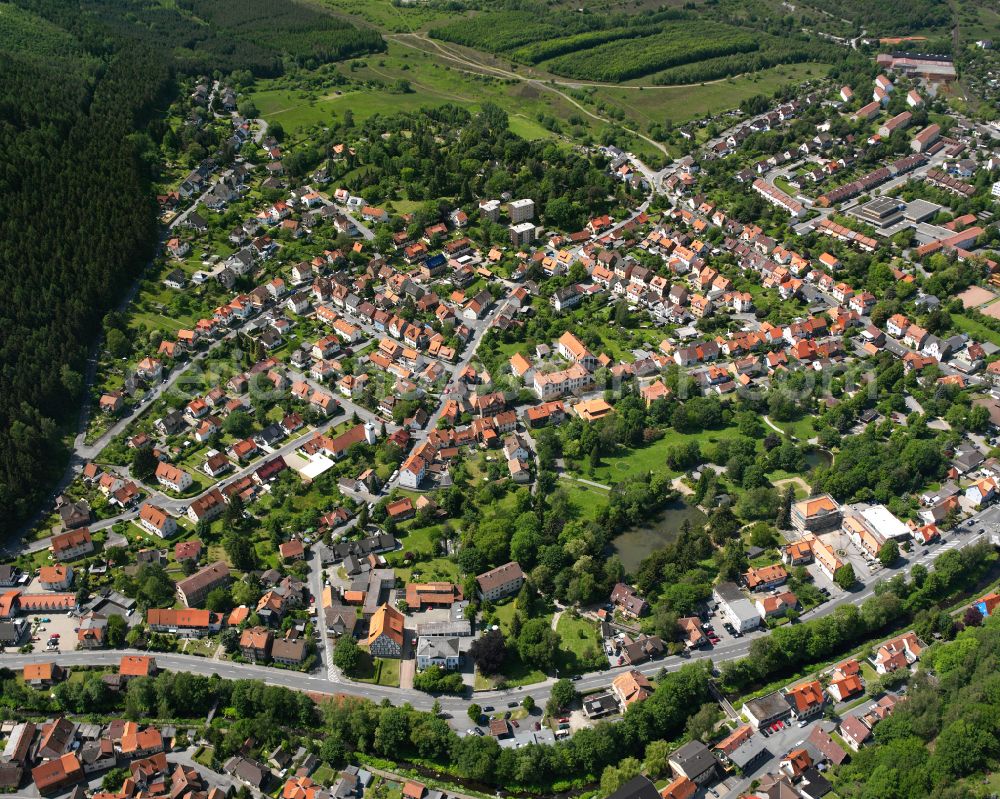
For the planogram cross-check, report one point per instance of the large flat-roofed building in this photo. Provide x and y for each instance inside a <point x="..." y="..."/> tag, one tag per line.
<point x="883" y="522"/>
<point x="521" y="210"/>
<point x="926" y="66"/>
<point x="817" y="514"/>
<point x="735" y="607"/>
<point x="920" y="211"/>
<point x="881" y="212"/>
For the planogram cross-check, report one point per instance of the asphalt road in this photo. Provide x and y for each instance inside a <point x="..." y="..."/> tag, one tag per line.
<point x="321" y="682"/>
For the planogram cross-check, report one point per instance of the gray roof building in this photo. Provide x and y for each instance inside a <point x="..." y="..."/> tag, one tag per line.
<point x="694" y="761"/>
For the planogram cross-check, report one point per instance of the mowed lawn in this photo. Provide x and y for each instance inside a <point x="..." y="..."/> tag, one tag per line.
<point x="651" y="458"/>
<point x="579" y="644"/>
<point x="378" y="671"/>
<point x="588" y="499"/>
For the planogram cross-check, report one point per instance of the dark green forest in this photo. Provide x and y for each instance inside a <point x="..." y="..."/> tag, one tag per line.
<point x="81" y="82"/>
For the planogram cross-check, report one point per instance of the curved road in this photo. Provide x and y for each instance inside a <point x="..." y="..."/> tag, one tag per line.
<point x="318" y="682"/>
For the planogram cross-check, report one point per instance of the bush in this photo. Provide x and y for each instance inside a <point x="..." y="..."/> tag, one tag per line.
<point x="436" y="680"/>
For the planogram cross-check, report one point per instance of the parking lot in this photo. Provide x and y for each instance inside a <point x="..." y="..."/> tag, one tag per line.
<point x="58" y="624"/>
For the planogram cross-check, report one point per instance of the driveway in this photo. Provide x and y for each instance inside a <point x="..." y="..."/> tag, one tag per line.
<point x="407" y="671"/>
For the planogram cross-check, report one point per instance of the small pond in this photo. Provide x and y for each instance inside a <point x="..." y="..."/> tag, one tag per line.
<point x="635" y="544"/>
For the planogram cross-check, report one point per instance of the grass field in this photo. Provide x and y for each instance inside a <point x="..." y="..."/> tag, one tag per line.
<point x="975" y="328"/>
<point x="436" y="569"/>
<point x="388" y="17"/>
<point x="579" y="642"/>
<point x="204" y="756"/>
<point x="680" y="104"/>
<point x="587" y="499"/>
<point x="324" y="775"/>
<point x="432" y="84"/>
<point x="801" y="429"/>
<point x="651" y="458"/>
<point x="378" y="671"/>
<point x="419" y="540"/>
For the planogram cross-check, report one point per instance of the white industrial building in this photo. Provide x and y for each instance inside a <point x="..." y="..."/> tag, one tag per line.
<point x="735" y="607"/>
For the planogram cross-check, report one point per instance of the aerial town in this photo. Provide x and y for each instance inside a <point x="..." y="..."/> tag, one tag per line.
<point x="731" y="444"/>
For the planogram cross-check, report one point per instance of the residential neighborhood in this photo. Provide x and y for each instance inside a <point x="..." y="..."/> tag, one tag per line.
<point x="712" y="465"/>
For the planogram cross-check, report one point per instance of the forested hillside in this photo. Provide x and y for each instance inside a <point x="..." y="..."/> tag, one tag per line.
<point x="673" y="45"/>
<point x="77" y="219"/>
<point x="946" y="736"/>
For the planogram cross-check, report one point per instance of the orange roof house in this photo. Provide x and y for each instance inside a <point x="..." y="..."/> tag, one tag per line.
<point x="54" y="775"/>
<point x="806" y="699"/>
<point x="651" y="392"/>
<point x="385" y="633"/>
<point x="817" y="514"/>
<point x="681" y="788"/>
<point x="42" y="673"/>
<point x="898" y="653"/>
<point x="765" y="577"/>
<point x="436" y="594"/>
<point x="796" y="762"/>
<point x="413" y="790"/>
<point x="519" y="364"/>
<point x="300" y="788"/>
<point x="136" y="742"/>
<point x="631" y="687"/>
<point x="137" y="666"/>
<point x="734" y="740"/>
<point x="592" y="410"/>
<point x="797" y="553"/>
<point x="845" y="687"/>
<point x="292" y="550"/>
